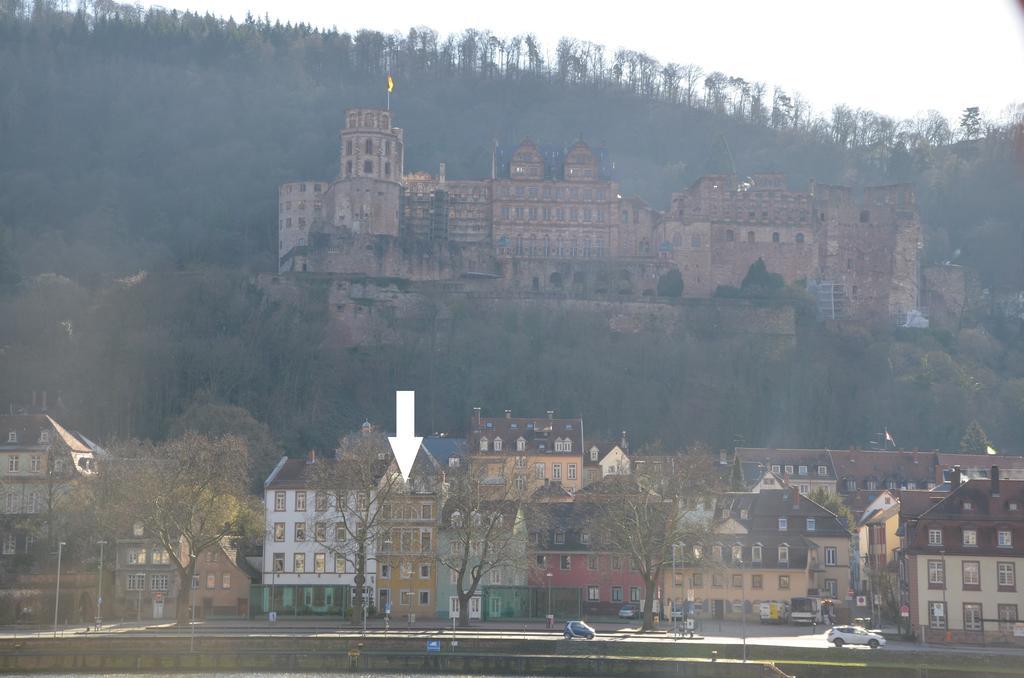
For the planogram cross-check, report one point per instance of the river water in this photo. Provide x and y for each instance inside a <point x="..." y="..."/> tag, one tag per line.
<point x="254" y="675"/>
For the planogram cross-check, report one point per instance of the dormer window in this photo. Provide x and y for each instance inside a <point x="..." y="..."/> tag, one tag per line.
<point x="789" y="470"/>
<point x="737" y="553"/>
<point x="497" y="444"/>
<point x="456" y="519"/>
<point x="453" y="462"/>
<point x="803" y="470"/>
<point x="483" y="444"/>
<point x="822" y="470"/>
<point x="44" y="436"/>
<point x="593" y="453"/>
<point x="776" y="468"/>
<point x="784" y="555"/>
<point x="970" y="537"/>
<point x="744" y="514"/>
<point x="783" y="524"/>
<point x="755" y="553"/>
<point x="559" y="537"/>
<point x="12" y="437"/>
<point x="521" y="444"/>
<point x="934" y="537"/>
<point x="968" y="506"/>
<point x="811" y="524"/>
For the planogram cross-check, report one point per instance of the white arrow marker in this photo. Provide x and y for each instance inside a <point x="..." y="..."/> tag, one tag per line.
<point x="405" y="444"/>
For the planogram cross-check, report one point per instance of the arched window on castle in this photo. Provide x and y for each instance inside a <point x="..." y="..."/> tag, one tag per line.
<point x="483" y="444"/>
<point x="348" y="147"/>
<point x="729" y="236"/>
<point x="800" y="237"/>
<point x="775" y="237"/>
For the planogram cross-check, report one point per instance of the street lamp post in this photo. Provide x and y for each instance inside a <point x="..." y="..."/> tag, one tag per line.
<point x="548" y="576"/>
<point x="192" y="604"/>
<point x="99" y="589"/>
<point x="743" y="605"/>
<point x="56" y="602"/>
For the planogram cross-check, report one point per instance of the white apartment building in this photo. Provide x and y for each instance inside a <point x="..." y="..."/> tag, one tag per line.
<point x="308" y="555"/>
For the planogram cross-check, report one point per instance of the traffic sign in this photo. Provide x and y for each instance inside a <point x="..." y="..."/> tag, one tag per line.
<point x="904" y="610"/>
<point x="862" y="601"/>
<point x="433" y="646"/>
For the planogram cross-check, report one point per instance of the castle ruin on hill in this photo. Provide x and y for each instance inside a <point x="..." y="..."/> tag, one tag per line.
<point x="553" y="221"/>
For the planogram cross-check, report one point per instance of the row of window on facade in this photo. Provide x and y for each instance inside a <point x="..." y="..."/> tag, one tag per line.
<point x="368" y="168"/>
<point x="33" y="502"/>
<point x="319" y="562"/>
<point x="850" y="484"/>
<point x="321" y="502"/>
<point x="44" y="437"/>
<point x="317" y="187"/>
<point x="969" y="537"/>
<point x="553" y="214"/>
<point x="730" y="236"/>
<point x="553" y="193"/>
<point x="535" y="171"/>
<point x="973" y="617"/>
<point x="750" y="215"/>
<point x="533" y="247"/>
<point x="561" y="445"/>
<point x="757" y="550"/>
<point x="368" y="145"/>
<point x="1006" y="575"/>
<point x="738" y="581"/>
<point x="318" y="205"/>
<point x="14" y="465"/>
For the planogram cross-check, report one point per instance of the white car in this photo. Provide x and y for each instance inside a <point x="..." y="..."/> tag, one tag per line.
<point x="854" y="635"/>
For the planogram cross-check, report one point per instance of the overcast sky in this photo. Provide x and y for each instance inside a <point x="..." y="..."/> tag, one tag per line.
<point x="898" y="57"/>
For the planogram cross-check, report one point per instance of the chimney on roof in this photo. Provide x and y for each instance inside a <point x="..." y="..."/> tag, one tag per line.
<point x="796" y="498"/>
<point x="551" y="414"/>
<point x="508" y="414"/>
<point x="994" y="479"/>
<point x="954" y="478"/>
<point x="938" y="474"/>
<point x="476" y="414"/>
<point x="311" y="457"/>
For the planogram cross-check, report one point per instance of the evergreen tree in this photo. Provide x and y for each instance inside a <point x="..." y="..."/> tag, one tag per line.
<point x="974" y="441"/>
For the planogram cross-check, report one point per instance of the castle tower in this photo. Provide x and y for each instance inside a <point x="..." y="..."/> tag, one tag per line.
<point x="367" y="193"/>
<point x="370" y="146"/>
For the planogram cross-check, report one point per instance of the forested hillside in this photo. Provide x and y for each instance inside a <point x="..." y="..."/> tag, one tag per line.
<point x="154" y="142"/>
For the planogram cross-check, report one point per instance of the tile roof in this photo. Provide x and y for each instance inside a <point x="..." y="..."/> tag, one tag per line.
<point x="539" y="433"/>
<point x="764" y="509"/>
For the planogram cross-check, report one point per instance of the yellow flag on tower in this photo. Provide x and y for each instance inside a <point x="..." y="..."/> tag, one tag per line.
<point x="391" y="83"/>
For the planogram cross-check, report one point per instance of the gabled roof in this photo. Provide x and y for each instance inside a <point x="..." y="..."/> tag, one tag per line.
<point x="764" y="508"/>
<point x="539" y="433"/>
<point x="768" y="456"/>
<point x="985" y="506"/>
<point x="443" y="447"/>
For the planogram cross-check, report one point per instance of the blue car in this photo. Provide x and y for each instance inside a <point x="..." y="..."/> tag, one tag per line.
<point x="578" y="629"/>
